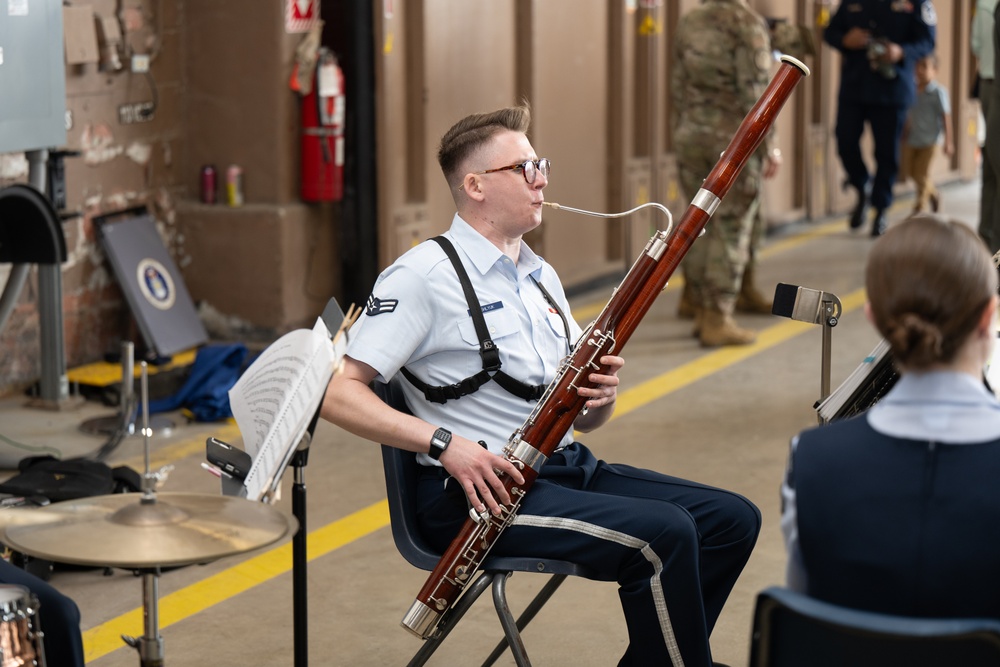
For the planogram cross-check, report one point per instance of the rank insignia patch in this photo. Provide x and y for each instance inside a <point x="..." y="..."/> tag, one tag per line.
<point x="377" y="306"/>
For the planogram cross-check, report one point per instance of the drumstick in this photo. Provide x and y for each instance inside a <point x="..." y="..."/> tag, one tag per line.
<point x="353" y="313"/>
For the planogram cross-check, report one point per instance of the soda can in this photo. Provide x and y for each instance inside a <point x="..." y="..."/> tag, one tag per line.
<point x="208" y="184"/>
<point x="234" y="185"/>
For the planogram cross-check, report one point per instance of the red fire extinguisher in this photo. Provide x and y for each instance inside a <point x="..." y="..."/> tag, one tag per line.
<point x="323" y="132"/>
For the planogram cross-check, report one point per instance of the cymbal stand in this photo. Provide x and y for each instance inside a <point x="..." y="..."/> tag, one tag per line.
<point x="150" y="645"/>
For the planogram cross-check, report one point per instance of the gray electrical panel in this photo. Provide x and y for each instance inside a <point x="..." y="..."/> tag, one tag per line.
<point x="32" y="75"/>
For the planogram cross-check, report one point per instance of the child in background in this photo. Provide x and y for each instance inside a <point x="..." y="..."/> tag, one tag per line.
<point x="926" y="123"/>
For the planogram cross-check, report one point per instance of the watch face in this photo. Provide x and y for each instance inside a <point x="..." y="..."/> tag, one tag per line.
<point x="439" y="443"/>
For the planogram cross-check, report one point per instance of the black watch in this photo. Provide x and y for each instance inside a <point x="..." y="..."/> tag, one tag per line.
<point x="439" y="442"/>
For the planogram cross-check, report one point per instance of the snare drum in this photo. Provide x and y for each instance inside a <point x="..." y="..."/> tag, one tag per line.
<point x="20" y="630"/>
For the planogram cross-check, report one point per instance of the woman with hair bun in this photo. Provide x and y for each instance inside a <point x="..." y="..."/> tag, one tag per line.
<point x="897" y="510"/>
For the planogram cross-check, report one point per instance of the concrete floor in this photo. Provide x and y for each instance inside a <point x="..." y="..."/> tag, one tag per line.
<point x="723" y="417"/>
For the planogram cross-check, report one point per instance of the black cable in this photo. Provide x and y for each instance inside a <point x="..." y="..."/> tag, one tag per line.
<point x="126" y="419"/>
<point x="31" y="448"/>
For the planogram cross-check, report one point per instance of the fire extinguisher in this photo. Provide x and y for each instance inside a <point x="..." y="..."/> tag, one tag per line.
<point x="323" y="132"/>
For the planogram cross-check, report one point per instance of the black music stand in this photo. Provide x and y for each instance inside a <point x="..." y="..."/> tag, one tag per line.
<point x="298" y="460"/>
<point x="232" y="486"/>
<point x="815" y="307"/>
<point x="300" y="582"/>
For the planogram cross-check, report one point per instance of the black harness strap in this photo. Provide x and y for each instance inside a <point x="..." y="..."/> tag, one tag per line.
<point x="488" y="350"/>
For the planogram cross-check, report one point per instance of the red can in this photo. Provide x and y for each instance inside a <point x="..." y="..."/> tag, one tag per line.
<point x="209" y="185"/>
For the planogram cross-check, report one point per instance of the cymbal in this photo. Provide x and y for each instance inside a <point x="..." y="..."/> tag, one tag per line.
<point x="120" y="530"/>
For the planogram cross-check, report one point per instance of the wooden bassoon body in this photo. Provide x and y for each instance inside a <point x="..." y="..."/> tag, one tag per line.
<point x="530" y="446"/>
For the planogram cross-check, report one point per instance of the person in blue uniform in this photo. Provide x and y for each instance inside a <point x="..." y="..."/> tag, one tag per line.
<point x="880" y="41"/>
<point x="895" y="510"/>
<point x="675" y="547"/>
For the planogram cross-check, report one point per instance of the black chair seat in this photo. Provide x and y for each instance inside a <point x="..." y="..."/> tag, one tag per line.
<point x="792" y="630"/>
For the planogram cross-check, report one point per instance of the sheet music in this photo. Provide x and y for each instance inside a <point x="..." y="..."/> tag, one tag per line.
<point x="829" y="408"/>
<point x="275" y="399"/>
<point x="993" y="367"/>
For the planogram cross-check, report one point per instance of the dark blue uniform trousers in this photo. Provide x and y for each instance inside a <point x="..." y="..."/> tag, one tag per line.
<point x="675" y="547"/>
<point x="886" y="124"/>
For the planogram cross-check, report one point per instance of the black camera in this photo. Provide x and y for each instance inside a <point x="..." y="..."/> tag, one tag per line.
<point x="876" y="49"/>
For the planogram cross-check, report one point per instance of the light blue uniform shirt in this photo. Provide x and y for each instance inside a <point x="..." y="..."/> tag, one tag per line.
<point x="418" y="317"/>
<point x="946" y="407"/>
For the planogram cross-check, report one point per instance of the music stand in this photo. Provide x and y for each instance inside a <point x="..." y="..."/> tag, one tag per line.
<point x="151" y="282"/>
<point x="332" y="318"/>
<point x="815" y="307"/>
<point x="300" y="582"/>
<point x="123" y="423"/>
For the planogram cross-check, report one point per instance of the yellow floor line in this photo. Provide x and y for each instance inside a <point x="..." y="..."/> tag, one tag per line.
<point x="585" y="314"/>
<point x="706" y="365"/>
<point x="106" y="637"/>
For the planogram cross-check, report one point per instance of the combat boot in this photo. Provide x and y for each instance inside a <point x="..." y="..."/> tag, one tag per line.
<point x="699" y="314"/>
<point x="718" y="328"/>
<point x="750" y="299"/>
<point x="687" y="308"/>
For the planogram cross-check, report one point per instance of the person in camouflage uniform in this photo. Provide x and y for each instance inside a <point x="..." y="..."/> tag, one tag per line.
<point x="722" y="64"/>
<point x="796" y="41"/>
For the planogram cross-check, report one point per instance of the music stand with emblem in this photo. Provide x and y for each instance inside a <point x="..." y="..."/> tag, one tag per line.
<point x="151" y="281"/>
<point x="153" y="288"/>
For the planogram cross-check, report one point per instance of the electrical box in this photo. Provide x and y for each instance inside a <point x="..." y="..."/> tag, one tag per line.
<point x="32" y="75"/>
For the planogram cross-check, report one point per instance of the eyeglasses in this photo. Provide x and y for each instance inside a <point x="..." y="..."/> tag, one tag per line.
<point x="529" y="169"/>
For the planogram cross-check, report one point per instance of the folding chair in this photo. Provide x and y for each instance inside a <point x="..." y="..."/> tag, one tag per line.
<point x="792" y="630"/>
<point x="401" y="471"/>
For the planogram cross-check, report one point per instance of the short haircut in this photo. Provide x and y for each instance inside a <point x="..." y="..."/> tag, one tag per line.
<point x="932" y="58"/>
<point x="929" y="280"/>
<point x="472" y="132"/>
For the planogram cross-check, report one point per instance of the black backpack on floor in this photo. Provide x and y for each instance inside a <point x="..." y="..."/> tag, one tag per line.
<point x="56" y="480"/>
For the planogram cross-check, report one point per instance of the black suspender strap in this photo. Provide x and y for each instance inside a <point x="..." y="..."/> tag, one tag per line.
<point x="488" y="350"/>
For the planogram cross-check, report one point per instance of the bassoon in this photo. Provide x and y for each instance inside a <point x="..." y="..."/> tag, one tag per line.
<point x="530" y="446"/>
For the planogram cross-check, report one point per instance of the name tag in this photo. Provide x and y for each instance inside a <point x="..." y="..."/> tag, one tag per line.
<point x="489" y="307"/>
